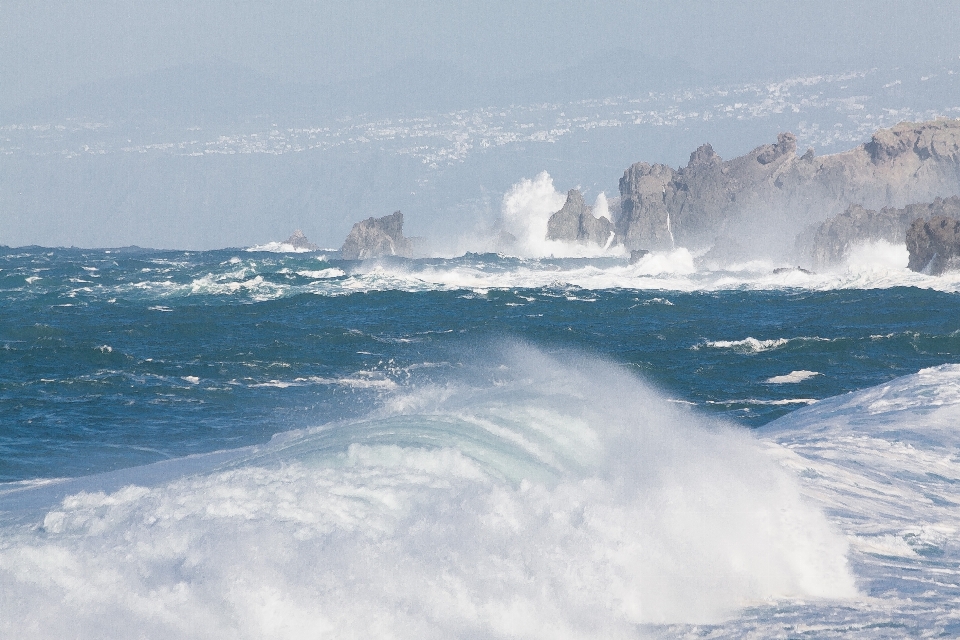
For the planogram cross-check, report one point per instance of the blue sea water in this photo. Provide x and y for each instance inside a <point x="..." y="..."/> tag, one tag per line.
<point x="279" y="444"/>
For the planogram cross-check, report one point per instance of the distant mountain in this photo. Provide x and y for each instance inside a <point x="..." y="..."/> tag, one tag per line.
<point x="181" y="95"/>
<point x="223" y="93"/>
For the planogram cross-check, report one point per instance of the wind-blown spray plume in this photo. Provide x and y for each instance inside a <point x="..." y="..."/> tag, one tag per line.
<point x="535" y="496"/>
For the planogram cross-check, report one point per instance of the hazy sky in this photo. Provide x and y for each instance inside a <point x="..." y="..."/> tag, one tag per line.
<point x="84" y="186"/>
<point x="48" y="47"/>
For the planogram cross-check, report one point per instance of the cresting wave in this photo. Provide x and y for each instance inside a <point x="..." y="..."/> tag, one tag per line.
<point x="531" y="496"/>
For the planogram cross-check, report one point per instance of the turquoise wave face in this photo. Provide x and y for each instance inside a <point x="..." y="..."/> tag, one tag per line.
<point x="116" y="358"/>
<point x="531" y="495"/>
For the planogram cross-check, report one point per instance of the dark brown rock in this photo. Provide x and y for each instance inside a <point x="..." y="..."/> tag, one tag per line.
<point x="934" y="245"/>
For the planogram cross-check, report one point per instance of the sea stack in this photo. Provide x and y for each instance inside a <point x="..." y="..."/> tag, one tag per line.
<point x="576" y="223"/>
<point x="299" y="241"/>
<point x="377" y="237"/>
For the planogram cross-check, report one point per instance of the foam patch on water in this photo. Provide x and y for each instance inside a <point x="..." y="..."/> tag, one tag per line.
<point x="278" y="247"/>
<point x="792" y="377"/>
<point x="269" y="277"/>
<point x="535" y="497"/>
<point x="748" y="344"/>
<point x="321" y="274"/>
<point x="883" y="462"/>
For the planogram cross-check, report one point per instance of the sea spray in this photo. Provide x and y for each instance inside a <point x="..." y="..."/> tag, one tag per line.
<point x="526" y="208"/>
<point x="532" y="495"/>
<point x="525" y="211"/>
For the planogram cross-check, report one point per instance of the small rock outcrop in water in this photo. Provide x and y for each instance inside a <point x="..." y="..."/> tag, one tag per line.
<point x="299" y="241"/>
<point x="575" y="222"/>
<point x="377" y="237"/>
<point x="765" y="198"/>
<point x="835" y="237"/>
<point x="934" y="245"/>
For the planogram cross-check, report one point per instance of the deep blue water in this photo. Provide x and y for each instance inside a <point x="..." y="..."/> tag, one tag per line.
<point x="112" y="359"/>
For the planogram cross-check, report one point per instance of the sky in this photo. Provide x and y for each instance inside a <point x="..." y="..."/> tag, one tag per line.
<point x="48" y="47"/>
<point x="166" y="123"/>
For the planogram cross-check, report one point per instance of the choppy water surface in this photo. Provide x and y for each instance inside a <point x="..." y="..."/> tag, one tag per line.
<point x="544" y="448"/>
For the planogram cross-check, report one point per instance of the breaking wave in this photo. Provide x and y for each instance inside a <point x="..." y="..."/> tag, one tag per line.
<point x="534" y="496"/>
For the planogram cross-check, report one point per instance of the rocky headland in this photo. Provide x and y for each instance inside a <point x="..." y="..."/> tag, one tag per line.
<point x="769" y="194"/>
<point x="934" y="245"/>
<point x="378" y="237"/>
<point x="769" y="203"/>
<point x="762" y="201"/>
<point x="834" y="237"/>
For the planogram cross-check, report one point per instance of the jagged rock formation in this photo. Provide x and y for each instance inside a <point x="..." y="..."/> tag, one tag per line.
<point x="766" y="197"/>
<point x="299" y="241"/>
<point x="835" y="237"/>
<point x="575" y="222"/>
<point x="934" y="245"/>
<point x="377" y="237"/>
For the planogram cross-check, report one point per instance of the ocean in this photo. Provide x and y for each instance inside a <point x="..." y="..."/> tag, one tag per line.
<point x="264" y="443"/>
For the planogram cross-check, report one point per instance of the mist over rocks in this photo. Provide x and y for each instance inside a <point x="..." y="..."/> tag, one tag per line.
<point x="576" y="223"/>
<point x="764" y="199"/>
<point x="835" y="237"/>
<point x="934" y="245"/>
<point x="378" y="237"/>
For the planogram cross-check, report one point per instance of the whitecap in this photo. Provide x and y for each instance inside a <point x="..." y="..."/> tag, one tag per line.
<point x="792" y="377"/>
<point x="322" y="273"/>
<point x="747" y="345"/>
<point x="277" y="247"/>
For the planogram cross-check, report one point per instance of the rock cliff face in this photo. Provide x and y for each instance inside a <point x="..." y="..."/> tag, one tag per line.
<point x="575" y="222"/>
<point x="835" y="237"/>
<point x="377" y="237"/>
<point x="299" y="241"/>
<point x="764" y="199"/>
<point x="934" y="245"/>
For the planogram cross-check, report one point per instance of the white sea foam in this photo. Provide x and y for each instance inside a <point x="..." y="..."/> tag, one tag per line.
<point x="271" y="277"/>
<point x="278" y="247"/>
<point x="772" y="403"/>
<point x="321" y="274"/>
<point x="792" y="377"/>
<point x="566" y="500"/>
<point x="658" y="271"/>
<point x="747" y="345"/>
<point x="883" y="462"/>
